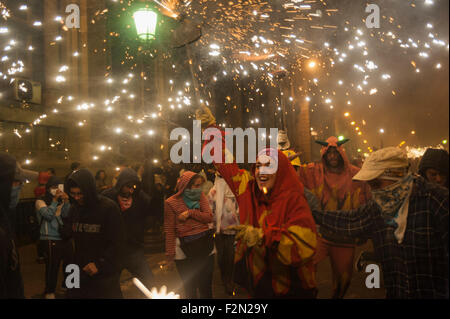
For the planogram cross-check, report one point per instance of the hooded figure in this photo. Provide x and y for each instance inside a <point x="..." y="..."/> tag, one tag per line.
<point x="187" y="216"/>
<point x="135" y="208"/>
<point x="335" y="190"/>
<point x="11" y="284"/>
<point x="332" y="184"/>
<point x="280" y="263"/>
<point x="277" y="236"/>
<point x="98" y="235"/>
<point x="408" y="223"/>
<point x="434" y="166"/>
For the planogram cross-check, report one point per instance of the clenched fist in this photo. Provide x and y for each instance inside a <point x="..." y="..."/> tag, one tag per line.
<point x="205" y="115"/>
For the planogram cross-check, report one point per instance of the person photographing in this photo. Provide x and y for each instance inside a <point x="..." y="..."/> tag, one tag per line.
<point x="50" y="211"/>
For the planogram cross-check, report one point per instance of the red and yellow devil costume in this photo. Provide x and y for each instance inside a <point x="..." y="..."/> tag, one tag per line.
<point x="335" y="191"/>
<point x="282" y="265"/>
<point x="278" y="264"/>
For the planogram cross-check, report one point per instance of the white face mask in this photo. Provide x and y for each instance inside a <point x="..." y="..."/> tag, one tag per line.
<point x="53" y="192"/>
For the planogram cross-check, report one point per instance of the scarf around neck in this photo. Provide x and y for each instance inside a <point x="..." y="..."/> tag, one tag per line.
<point x="394" y="204"/>
<point x="191" y="198"/>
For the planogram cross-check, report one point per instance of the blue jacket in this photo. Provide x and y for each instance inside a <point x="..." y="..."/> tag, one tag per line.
<point x="49" y="222"/>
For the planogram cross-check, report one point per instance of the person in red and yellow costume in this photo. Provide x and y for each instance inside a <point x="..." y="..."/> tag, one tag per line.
<point x="277" y="234"/>
<point x="331" y="182"/>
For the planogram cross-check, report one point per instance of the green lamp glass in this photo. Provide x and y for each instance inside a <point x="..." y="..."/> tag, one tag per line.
<point x="145" y="20"/>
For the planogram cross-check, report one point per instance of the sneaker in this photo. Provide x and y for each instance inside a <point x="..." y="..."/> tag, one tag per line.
<point x="50" y="296"/>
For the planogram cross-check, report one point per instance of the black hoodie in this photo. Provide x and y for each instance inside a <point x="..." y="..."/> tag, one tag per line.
<point x="97" y="227"/>
<point x="135" y="216"/>
<point x="437" y="159"/>
<point x="11" y="284"/>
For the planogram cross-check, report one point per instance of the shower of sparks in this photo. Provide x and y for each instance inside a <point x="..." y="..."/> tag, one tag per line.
<point x="250" y="39"/>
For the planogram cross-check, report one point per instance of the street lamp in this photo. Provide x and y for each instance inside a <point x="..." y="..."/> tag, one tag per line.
<point x="145" y="20"/>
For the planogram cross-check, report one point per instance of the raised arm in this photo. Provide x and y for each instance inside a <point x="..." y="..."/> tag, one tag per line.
<point x="237" y="179"/>
<point x="46" y="212"/>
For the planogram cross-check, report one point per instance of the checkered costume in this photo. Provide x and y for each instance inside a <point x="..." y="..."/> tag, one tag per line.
<point x="418" y="267"/>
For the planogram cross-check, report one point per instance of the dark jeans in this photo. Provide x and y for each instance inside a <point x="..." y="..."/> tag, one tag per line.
<point x="40" y="249"/>
<point x="225" y="258"/>
<point x="196" y="273"/>
<point x="55" y="252"/>
<point x="137" y="265"/>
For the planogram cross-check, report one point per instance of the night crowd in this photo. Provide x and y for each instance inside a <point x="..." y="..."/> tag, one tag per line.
<point x="267" y="225"/>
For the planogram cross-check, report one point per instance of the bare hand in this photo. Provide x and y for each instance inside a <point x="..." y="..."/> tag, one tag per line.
<point x="58" y="194"/>
<point x="250" y="235"/>
<point x="183" y="216"/>
<point x="90" y="269"/>
<point x="64" y="197"/>
<point x="205" y="115"/>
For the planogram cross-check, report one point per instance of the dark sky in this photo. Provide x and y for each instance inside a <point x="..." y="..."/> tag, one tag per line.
<point x="421" y="102"/>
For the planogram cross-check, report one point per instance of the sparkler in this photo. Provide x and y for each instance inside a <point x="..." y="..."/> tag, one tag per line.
<point x="272" y="42"/>
<point x="4" y="11"/>
<point x="154" y="293"/>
